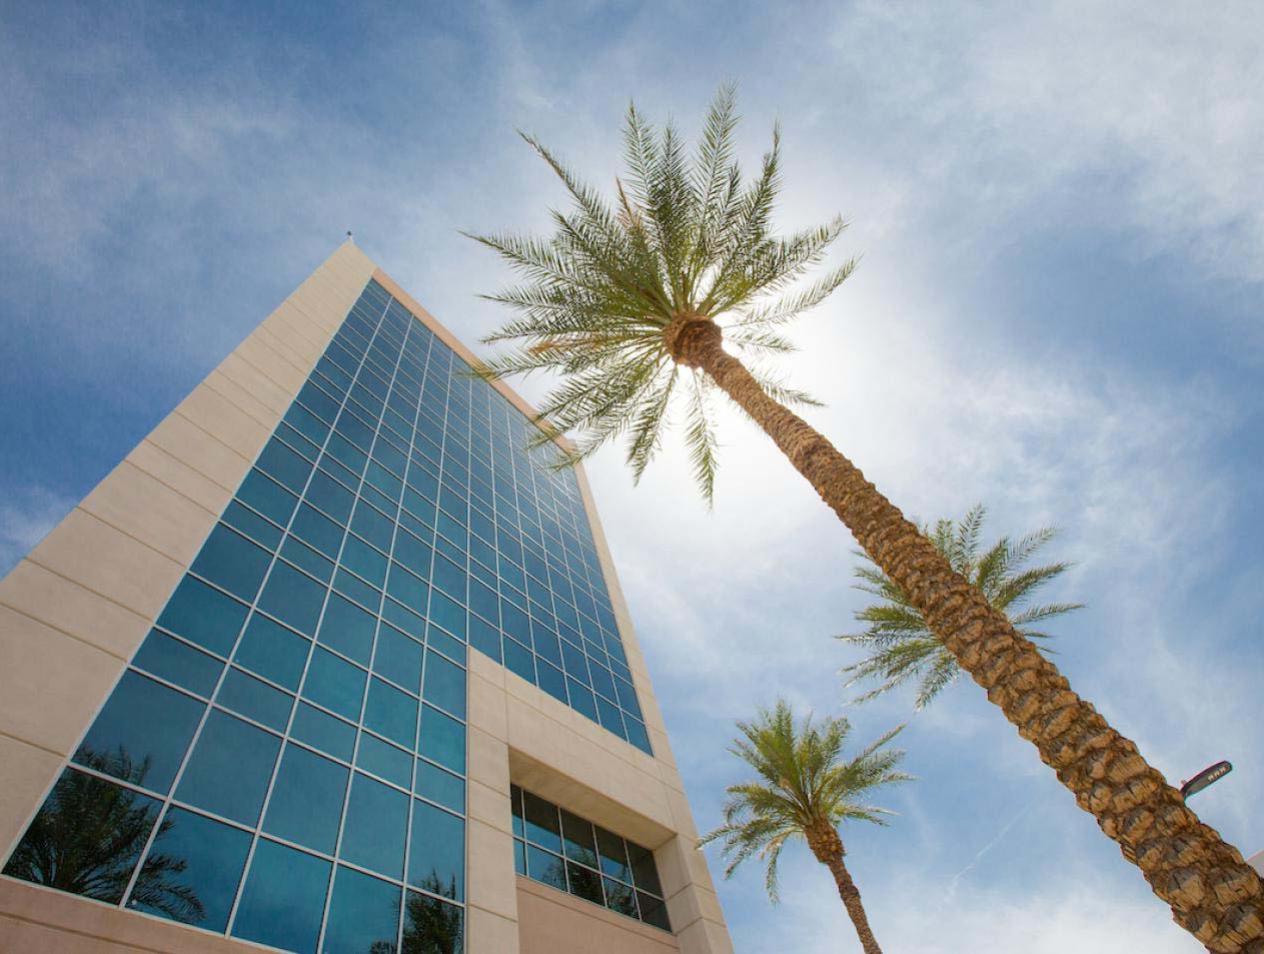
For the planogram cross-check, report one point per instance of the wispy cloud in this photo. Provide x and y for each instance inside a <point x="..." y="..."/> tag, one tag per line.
<point x="26" y="517"/>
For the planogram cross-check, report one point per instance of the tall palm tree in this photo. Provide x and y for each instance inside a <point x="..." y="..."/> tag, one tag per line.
<point x="634" y="303"/>
<point x="805" y="790"/>
<point x="903" y="647"/>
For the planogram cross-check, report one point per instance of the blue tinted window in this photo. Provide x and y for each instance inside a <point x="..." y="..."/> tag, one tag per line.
<point x="255" y="699"/>
<point x="196" y="866"/>
<point x="280" y="462"/>
<point x="436" y="860"/>
<point x="305" y="558"/>
<point x="551" y="680"/>
<point x="318" y="530"/>
<point x="520" y="660"/>
<point x="440" y="786"/>
<point x="323" y="731"/>
<point x="105" y="825"/>
<point x="582" y="699"/>
<point x="644" y="873"/>
<point x="352" y="586"/>
<point x="391" y="713"/>
<point x="485" y="638"/>
<point x="546" y="867"/>
<point x="376" y="827"/>
<point x="362" y="559"/>
<point x="374" y="526"/>
<point x="330" y="496"/>
<point x="348" y="629"/>
<point x="398" y="658"/>
<point x="229" y="770"/>
<point x="273" y="651"/>
<point x="293" y="598"/>
<point x="637" y="734"/>
<point x="253" y="525"/>
<point x="406" y="587"/>
<point x="179" y="663"/>
<point x="543" y="826"/>
<point x="412" y="553"/>
<point x="614" y="859"/>
<point x="445" y="684"/>
<point x="653" y="911"/>
<point x="335" y="684"/>
<point x="267" y="496"/>
<point x="204" y="615"/>
<point x="442" y="739"/>
<point x="431" y="926"/>
<point x="142" y="733"/>
<point x="363" y="914"/>
<point x="578" y="842"/>
<point x="384" y="760"/>
<point x="284" y="898"/>
<point x="446" y="613"/>
<point x="306" y="802"/>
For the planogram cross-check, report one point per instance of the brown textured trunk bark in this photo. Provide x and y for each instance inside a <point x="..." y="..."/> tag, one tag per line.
<point x="828" y="849"/>
<point x="1212" y="892"/>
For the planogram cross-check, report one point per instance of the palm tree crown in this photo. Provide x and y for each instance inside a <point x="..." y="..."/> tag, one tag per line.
<point x="605" y="297"/>
<point x="805" y="786"/>
<point x="903" y="647"/>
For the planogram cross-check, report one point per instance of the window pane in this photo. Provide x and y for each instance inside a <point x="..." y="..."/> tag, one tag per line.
<point x="284" y="898"/>
<point x="391" y="713"/>
<point x="442" y="739"/>
<point x="362" y="559"/>
<point x="551" y="680"/>
<point x="255" y="699"/>
<point x="318" y="530"/>
<point x="280" y="462"/>
<point x="252" y="525"/>
<point x="323" y="731"/>
<point x="384" y="760"/>
<point x="363" y="914"/>
<point x="330" y="496"/>
<point x="515" y="799"/>
<point x="142" y="733"/>
<point x="620" y="898"/>
<point x="440" y="786"/>
<point x="305" y="558"/>
<point x="335" y="684"/>
<point x="398" y="658"/>
<point x="584" y="883"/>
<point x="614" y="859"/>
<point x="231" y="561"/>
<point x="653" y="911"/>
<point x="293" y="597"/>
<point x="91" y="831"/>
<point x="644" y="873"/>
<point x="179" y="663"/>
<point x="267" y="496"/>
<point x="546" y="867"/>
<point x="436" y="860"/>
<point x="445" y="684"/>
<point x="203" y="615"/>
<point x="376" y="827"/>
<point x="431" y="926"/>
<point x="447" y="613"/>
<point x="306" y="802"/>
<point x="273" y="651"/>
<point x="192" y="871"/>
<point x="577" y="836"/>
<point x="229" y="770"/>
<point x="348" y="629"/>
<point x="542" y="822"/>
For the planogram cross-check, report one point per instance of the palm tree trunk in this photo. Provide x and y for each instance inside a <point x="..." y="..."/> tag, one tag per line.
<point x="1212" y="892"/>
<point x="828" y="849"/>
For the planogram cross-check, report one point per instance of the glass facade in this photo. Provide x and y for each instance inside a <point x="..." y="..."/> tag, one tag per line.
<point x="284" y="759"/>
<point x="560" y="849"/>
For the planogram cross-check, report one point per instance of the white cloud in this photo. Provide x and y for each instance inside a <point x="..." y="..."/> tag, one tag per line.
<point x="26" y="517"/>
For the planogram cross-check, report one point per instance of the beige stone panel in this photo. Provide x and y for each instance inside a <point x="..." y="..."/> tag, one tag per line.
<point x="299" y="351"/>
<point x="58" y="923"/>
<point x="491" y="884"/>
<point x="180" y="438"/>
<point x="691" y="904"/>
<point x="488" y="760"/>
<point x="682" y="815"/>
<point x="661" y="745"/>
<point x="260" y="386"/>
<point x="486" y="706"/>
<point x="298" y="331"/>
<point x="322" y="301"/>
<point x="489" y="933"/>
<point x="705" y="937"/>
<point x="141" y="506"/>
<point x="490" y="805"/>
<point x="50" y="684"/>
<point x="488" y="669"/>
<point x="180" y="477"/>
<point x="274" y="361"/>
<point x="65" y="605"/>
<point x="28" y="774"/>
<point x="551" y="922"/>
<point x="242" y="398"/>
<point x="222" y="419"/>
<point x="107" y="561"/>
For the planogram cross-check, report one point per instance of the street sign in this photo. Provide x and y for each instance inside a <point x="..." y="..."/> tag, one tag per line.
<point x="1212" y="773"/>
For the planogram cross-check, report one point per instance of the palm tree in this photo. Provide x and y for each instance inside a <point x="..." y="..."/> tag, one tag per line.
<point x="805" y="790"/>
<point x="633" y="303"/>
<point x="904" y="647"/>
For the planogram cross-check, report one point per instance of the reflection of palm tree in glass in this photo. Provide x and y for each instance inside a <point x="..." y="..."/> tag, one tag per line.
<point x="432" y="926"/>
<point x="88" y="835"/>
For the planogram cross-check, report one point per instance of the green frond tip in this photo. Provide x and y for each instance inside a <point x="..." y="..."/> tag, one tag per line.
<point x="682" y="234"/>
<point x="802" y="781"/>
<point x="900" y="648"/>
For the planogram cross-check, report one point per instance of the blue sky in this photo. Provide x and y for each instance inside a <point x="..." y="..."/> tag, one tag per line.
<point x="1057" y="313"/>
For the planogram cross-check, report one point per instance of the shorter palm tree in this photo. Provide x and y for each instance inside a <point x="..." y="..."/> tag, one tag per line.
<point x="805" y="790"/>
<point x="902" y="645"/>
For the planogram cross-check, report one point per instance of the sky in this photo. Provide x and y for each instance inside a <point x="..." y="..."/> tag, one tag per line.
<point x="1061" y="219"/>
